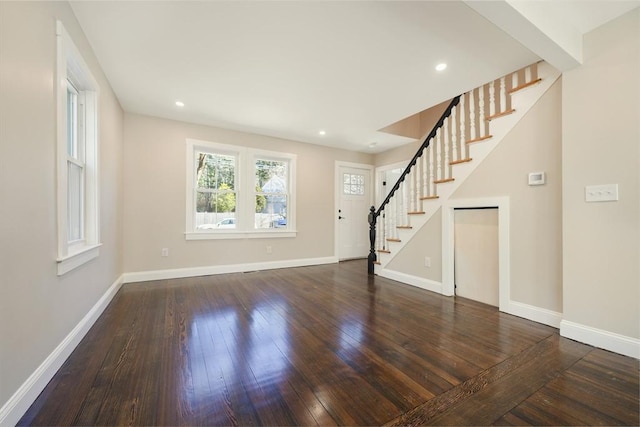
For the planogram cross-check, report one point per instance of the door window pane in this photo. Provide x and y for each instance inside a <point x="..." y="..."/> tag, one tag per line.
<point x="353" y="184"/>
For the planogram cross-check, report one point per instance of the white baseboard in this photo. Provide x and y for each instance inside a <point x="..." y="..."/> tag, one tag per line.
<point x="420" y="282"/>
<point x="537" y="314"/>
<point x="611" y="341"/>
<point x="17" y="405"/>
<point x="145" y="276"/>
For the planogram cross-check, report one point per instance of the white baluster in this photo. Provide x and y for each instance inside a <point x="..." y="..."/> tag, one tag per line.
<point x="431" y="177"/>
<point x="527" y="74"/>
<point x="454" y="136"/>
<point x="472" y="116"/>
<point x="463" y="148"/>
<point x="503" y="94"/>
<point x="445" y="164"/>
<point x="412" y="190"/>
<point x="514" y="80"/>
<point x="392" y="219"/>
<point x="398" y="213"/>
<point x="439" y="153"/>
<point x="481" y="111"/>
<point x="492" y="98"/>
<point x="425" y="180"/>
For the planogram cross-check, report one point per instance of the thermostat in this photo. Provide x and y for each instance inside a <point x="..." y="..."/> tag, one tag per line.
<point x="537" y="178"/>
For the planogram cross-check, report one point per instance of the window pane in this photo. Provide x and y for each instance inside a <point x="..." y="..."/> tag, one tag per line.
<point x="353" y="184"/>
<point x="72" y="104"/>
<point x="74" y="202"/>
<point x="271" y="176"/>
<point x="271" y="211"/>
<point x="215" y="210"/>
<point x="215" y="171"/>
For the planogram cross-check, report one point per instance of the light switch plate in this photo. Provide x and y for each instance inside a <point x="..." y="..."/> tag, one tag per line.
<point x="601" y="193"/>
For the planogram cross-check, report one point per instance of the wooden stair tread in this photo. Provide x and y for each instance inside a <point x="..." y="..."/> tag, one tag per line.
<point x="482" y="138"/>
<point x="404" y="227"/>
<point x="504" y="113"/>
<point x="429" y="197"/>
<point x="415" y="213"/>
<point x="377" y="262"/>
<point x="523" y="86"/>
<point x="384" y="251"/>
<point x="389" y="239"/>
<point x="457" y="162"/>
<point x="442" y="181"/>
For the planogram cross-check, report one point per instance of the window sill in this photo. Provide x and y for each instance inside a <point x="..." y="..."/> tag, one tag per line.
<point x="226" y="235"/>
<point x="78" y="258"/>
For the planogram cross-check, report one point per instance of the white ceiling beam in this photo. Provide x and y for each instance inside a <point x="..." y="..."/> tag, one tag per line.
<point x="537" y="27"/>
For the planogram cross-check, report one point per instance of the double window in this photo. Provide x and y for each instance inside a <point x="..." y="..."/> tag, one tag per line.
<point x="77" y="157"/>
<point x="238" y="192"/>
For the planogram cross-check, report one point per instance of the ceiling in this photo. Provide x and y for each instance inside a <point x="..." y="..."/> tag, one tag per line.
<point x="291" y="69"/>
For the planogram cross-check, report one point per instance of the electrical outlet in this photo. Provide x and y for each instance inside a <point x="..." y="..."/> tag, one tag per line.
<point x="165" y="251"/>
<point x="269" y="249"/>
<point x="427" y="262"/>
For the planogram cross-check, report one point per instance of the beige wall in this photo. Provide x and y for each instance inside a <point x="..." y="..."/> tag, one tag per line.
<point x="601" y="140"/>
<point x="155" y="198"/>
<point x="534" y="144"/>
<point x="38" y="308"/>
<point x="426" y="243"/>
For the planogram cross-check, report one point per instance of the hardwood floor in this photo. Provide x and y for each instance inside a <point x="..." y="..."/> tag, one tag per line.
<point x="327" y="345"/>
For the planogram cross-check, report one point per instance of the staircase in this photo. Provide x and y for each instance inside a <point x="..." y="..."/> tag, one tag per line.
<point x="473" y="124"/>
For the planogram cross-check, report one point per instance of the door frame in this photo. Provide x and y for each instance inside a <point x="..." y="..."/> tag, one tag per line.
<point x="336" y="198"/>
<point x="504" y="265"/>
<point x="378" y="181"/>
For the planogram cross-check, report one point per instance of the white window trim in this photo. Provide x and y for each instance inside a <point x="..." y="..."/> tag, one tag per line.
<point x="71" y="65"/>
<point x="243" y="182"/>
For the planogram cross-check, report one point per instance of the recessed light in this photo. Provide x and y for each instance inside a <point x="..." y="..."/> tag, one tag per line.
<point x="373" y="144"/>
<point x="322" y="133"/>
<point x="441" y="66"/>
<point x="179" y="104"/>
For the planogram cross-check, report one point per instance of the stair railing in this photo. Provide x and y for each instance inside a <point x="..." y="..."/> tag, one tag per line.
<point x="375" y="214"/>
<point x="445" y="146"/>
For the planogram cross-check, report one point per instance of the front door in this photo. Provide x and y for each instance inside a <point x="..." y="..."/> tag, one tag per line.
<point x="354" y="201"/>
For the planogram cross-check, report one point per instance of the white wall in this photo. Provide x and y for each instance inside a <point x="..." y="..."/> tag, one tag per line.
<point x="154" y="217"/>
<point x="38" y="309"/>
<point x="601" y="145"/>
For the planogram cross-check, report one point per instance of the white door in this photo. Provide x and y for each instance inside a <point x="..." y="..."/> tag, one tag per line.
<point x="476" y="254"/>
<point x="354" y="201"/>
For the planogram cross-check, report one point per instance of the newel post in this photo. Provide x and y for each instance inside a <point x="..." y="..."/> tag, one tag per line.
<point x="372" y="240"/>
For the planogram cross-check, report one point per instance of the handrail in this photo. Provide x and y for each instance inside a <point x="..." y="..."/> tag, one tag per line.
<point x="374" y="214"/>
<point x="416" y="156"/>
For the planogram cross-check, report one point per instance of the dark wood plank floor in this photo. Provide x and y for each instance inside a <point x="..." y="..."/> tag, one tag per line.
<point x="327" y="345"/>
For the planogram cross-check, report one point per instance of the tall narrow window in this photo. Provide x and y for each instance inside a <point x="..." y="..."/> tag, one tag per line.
<point x="272" y="193"/>
<point x="216" y="195"/>
<point x="75" y="166"/>
<point x="77" y="159"/>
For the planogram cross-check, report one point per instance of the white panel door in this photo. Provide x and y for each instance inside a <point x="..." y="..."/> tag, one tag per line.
<point x="476" y="254"/>
<point x="354" y="201"/>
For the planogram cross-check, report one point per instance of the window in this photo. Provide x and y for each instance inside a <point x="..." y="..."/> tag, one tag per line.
<point x="77" y="158"/>
<point x="238" y="192"/>
<point x="271" y="195"/>
<point x="353" y="184"/>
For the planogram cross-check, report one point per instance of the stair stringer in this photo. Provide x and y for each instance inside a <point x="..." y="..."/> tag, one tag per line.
<point x="522" y="101"/>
